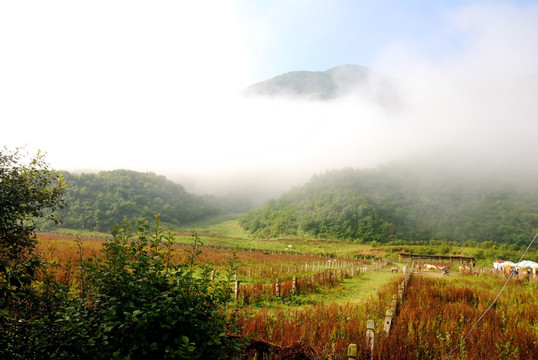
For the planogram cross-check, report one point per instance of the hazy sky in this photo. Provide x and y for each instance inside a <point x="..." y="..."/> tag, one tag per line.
<point x="153" y="85"/>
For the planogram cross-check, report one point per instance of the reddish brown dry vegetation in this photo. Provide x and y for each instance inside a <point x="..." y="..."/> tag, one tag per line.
<point x="437" y="315"/>
<point x="434" y="318"/>
<point x="326" y="328"/>
<point x="252" y="293"/>
<point x="63" y="254"/>
<point x="63" y="251"/>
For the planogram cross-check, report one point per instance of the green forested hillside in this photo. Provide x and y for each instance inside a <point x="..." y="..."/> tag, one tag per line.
<point x="97" y="201"/>
<point x="394" y="204"/>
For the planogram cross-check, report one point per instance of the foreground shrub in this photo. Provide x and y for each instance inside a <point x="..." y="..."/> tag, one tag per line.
<point x="133" y="302"/>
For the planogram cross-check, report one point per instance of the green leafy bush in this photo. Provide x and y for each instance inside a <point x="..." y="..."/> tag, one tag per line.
<point x="136" y="303"/>
<point x="133" y="301"/>
<point x="28" y="190"/>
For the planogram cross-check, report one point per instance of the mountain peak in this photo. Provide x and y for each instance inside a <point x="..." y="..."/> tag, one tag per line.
<point x="341" y="81"/>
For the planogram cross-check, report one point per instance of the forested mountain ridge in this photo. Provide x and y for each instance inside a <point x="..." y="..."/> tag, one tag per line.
<point x="387" y="204"/>
<point x="340" y="81"/>
<point x="97" y="201"/>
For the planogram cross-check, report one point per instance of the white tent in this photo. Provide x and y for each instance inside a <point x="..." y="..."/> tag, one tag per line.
<point x="521" y="264"/>
<point x="527" y="264"/>
<point x="502" y="265"/>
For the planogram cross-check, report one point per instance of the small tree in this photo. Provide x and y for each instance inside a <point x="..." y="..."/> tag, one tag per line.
<point x="139" y="303"/>
<point x="28" y="190"/>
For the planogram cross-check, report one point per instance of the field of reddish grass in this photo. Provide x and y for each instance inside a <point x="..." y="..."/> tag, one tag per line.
<point x="432" y="322"/>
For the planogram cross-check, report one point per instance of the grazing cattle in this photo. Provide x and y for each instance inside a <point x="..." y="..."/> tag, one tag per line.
<point x="428" y="267"/>
<point x="394" y="269"/>
<point x="405" y="269"/>
<point x="425" y="267"/>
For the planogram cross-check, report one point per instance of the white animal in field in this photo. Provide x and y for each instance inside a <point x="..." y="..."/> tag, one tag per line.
<point x="464" y="268"/>
<point x="428" y="267"/>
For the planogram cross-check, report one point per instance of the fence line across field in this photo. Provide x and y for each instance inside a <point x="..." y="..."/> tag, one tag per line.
<point x="321" y="277"/>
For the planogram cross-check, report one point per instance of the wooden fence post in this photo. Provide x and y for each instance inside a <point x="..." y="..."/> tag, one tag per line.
<point x="294" y="285"/>
<point x="352" y="352"/>
<point x="370" y="335"/>
<point x="388" y="320"/>
<point x="212" y="274"/>
<point x="236" y="290"/>
<point x="277" y="287"/>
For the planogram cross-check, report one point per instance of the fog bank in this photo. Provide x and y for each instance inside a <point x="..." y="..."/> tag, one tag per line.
<point x="469" y="100"/>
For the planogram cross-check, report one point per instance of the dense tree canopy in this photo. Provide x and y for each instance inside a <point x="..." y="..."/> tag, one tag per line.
<point x="391" y="203"/>
<point x="98" y="201"/>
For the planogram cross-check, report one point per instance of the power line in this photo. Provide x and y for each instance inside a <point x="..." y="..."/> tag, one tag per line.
<point x="491" y="305"/>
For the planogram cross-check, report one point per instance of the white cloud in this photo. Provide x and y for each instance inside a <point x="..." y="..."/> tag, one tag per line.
<point x="479" y="100"/>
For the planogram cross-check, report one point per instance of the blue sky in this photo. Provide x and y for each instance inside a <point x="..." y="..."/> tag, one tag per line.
<point x="153" y="86"/>
<point x="318" y="35"/>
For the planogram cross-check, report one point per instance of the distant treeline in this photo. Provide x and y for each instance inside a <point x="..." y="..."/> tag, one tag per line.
<point x="98" y="201"/>
<point x="392" y="204"/>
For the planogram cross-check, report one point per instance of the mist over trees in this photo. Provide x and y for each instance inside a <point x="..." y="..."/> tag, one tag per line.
<point x="394" y="203"/>
<point x="338" y="82"/>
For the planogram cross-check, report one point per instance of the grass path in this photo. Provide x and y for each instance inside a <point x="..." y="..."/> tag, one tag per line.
<point x="361" y="288"/>
<point x="356" y="290"/>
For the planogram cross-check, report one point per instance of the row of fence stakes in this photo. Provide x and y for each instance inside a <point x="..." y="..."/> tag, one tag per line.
<point x="397" y="299"/>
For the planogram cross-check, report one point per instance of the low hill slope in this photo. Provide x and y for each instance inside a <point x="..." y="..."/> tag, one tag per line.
<point x="97" y="201"/>
<point x="390" y="203"/>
